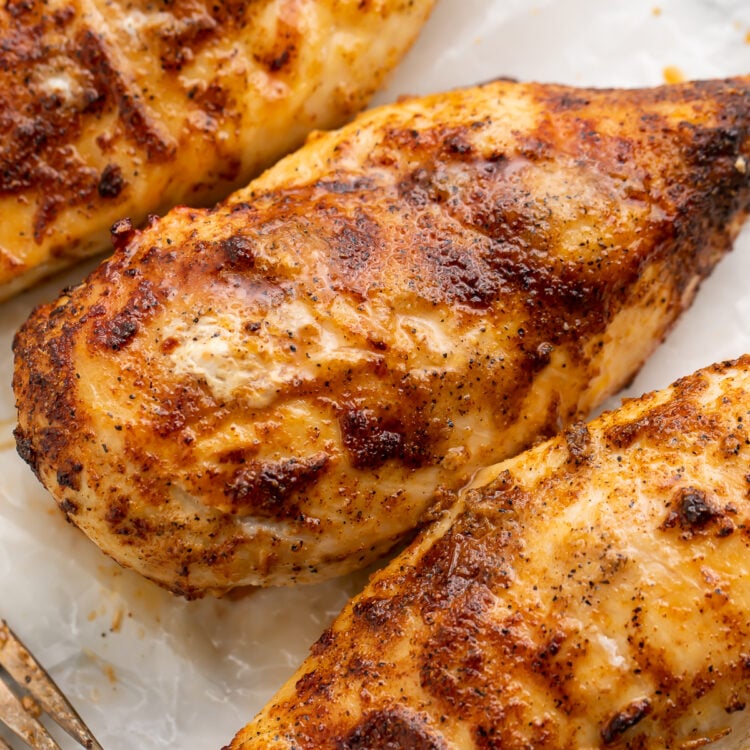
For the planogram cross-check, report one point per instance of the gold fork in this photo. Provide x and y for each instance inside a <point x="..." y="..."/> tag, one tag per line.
<point x="25" y="691"/>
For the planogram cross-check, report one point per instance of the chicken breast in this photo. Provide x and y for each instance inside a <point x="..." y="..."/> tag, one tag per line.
<point x="128" y="107"/>
<point x="592" y="592"/>
<point x="275" y="390"/>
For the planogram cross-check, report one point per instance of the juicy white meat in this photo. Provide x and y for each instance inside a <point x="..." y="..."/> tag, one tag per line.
<point x="112" y="108"/>
<point x="276" y="389"/>
<point x="592" y="592"/>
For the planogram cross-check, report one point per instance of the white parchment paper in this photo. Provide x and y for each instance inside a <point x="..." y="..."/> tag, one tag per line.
<point x="150" y="671"/>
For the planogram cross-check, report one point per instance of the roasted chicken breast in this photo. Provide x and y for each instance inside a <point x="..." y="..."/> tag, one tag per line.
<point x="276" y="389"/>
<point x="592" y="592"/>
<point x="110" y="109"/>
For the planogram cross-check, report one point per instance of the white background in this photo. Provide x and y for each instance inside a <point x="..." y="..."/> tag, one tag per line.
<point x="150" y="671"/>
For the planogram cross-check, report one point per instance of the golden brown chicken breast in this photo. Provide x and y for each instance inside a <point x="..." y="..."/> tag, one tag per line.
<point x="592" y="592"/>
<point x="128" y="107"/>
<point x="276" y="389"/>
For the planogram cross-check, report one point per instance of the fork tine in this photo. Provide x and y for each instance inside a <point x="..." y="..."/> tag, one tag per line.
<point x="16" y="718"/>
<point x="16" y="659"/>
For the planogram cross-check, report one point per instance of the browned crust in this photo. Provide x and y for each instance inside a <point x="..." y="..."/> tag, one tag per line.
<point x="36" y="157"/>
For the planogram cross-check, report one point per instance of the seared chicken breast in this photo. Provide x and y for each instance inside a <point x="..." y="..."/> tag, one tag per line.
<point x="128" y="107"/>
<point x="275" y="390"/>
<point x="592" y="592"/>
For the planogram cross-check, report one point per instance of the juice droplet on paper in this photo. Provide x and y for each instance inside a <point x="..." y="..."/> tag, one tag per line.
<point x="672" y="74"/>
